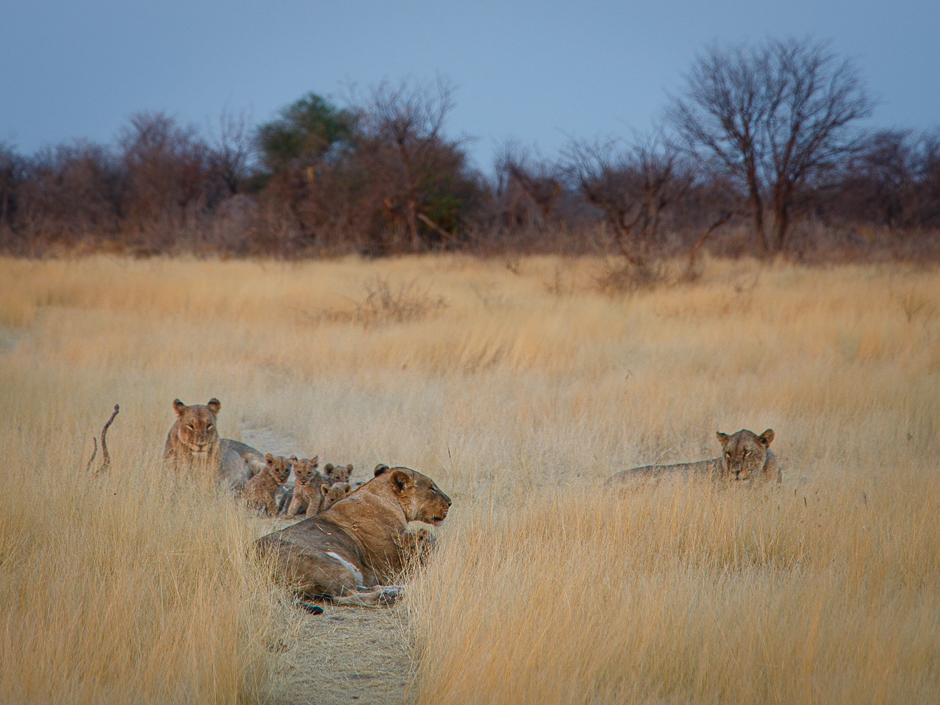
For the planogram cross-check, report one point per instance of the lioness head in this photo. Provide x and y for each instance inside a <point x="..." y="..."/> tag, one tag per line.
<point x="333" y="493"/>
<point x="745" y="452"/>
<point x="337" y="473"/>
<point x="195" y="427"/>
<point x="305" y="469"/>
<point x="421" y="499"/>
<point x="279" y="467"/>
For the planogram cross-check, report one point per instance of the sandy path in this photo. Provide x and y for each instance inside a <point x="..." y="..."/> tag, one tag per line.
<point x="346" y="654"/>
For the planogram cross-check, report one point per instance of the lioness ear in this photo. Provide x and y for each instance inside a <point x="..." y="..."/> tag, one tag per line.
<point x="766" y="437"/>
<point x="179" y="406"/>
<point x="214" y="405"/>
<point x="401" y="481"/>
<point x="325" y="490"/>
<point x="379" y="469"/>
<point x="723" y="438"/>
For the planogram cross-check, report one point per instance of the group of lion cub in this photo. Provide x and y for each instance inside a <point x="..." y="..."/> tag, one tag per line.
<point x="352" y="544"/>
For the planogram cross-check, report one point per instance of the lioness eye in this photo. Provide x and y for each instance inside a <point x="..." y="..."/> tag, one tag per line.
<point x="191" y="427"/>
<point x="208" y="425"/>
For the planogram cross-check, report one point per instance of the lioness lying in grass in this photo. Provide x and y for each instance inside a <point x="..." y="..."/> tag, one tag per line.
<point x="745" y="457"/>
<point x="351" y="552"/>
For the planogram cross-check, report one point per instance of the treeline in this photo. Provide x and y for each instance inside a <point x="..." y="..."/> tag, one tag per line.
<point x="759" y="152"/>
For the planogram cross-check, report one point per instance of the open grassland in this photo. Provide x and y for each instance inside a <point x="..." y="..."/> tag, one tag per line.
<point x="518" y="389"/>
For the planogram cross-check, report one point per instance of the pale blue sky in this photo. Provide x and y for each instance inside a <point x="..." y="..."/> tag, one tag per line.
<point x="533" y="71"/>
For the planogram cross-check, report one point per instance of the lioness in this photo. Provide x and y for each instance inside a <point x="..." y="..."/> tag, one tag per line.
<point x="307" y="483"/>
<point x="193" y="447"/>
<point x="337" y="473"/>
<point x="259" y="491"/>
<point x="746" y="456"/>
<point x="348" y="553"/>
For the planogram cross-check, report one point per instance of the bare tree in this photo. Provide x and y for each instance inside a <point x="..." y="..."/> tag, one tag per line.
<point x="403" y="144"/>
<point x="776" y="118"/>
<point x="232" y="148"/>
<point x="11" y="176"/>
<point x="539" y="179"/>
<point x="632" y="185"/>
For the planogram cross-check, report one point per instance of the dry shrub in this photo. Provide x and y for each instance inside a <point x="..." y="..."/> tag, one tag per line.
<point x="386" y="303"/>
<point x="622" y="277"/>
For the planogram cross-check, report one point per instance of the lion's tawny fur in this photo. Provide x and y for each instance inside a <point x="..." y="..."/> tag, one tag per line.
<point x="307" y="483"/>
<point x="259" y="492"/>
<point x="745" y="457"/>
<point x="194" y="448"/>
<point x="349" y="552"/>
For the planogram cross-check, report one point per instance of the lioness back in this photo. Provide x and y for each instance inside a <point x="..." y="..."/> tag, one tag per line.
<point x="746" y="457"/>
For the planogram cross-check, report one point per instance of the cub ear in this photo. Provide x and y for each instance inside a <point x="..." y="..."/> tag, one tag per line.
<point x="328" y="468"/>
<point x="350" y="468"/>
<point x="379" y="469"/>
<point x="314" y="461"/>
<point x="214" y="405"/>
<point x="401" y="481"/>
<point x="766" y="437"/>
<point x="325" y="490"/>
<point x="723" y="438"/>
<point x="269" y="459"/>
<point x="346" y="488"/>
<point x="179" y="406"/>
<point x="294" y="459"/>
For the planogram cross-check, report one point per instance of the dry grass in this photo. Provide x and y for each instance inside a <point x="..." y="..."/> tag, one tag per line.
<point x="518" y="397"/>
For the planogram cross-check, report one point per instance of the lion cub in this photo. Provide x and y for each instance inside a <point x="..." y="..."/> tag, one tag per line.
<point x="337" y="473"/>
<point x="745" y="456"/>
<point x="415" y="547"/>
<point x="330" y="495"/>
<point x="260" y="490"/>
<point x="306" y="485"/>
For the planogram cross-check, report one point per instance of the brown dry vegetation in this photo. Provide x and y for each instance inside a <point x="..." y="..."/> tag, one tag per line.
<point x="518" y="389"/>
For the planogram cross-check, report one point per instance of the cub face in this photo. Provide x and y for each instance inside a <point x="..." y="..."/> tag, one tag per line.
<point x="279" y="467"/>
<point x="337" y="473"/>
<point x="745" y="453"/>
<point x="305" y="469"/>
<point x="331" y="494"/>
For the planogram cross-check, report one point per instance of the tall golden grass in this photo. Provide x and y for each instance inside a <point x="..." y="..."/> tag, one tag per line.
<point x="519" y="389"/>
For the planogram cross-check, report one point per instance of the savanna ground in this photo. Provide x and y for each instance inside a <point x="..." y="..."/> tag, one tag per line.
<point x="518" y="388"/>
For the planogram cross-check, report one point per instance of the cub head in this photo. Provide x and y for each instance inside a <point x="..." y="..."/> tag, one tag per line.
<point x="745" y="453"/>
<point x="421" y="499"/>
<point x="195" y="427"/>
<point x="337" y="473"/>
<point x="279" y="467"/>
<point x="305" y="469"/>
<point x="331" y="494"/>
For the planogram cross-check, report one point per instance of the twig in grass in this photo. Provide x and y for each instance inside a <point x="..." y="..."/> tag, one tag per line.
<point x="105" y="455"/>
<point x="94" y="452"/>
